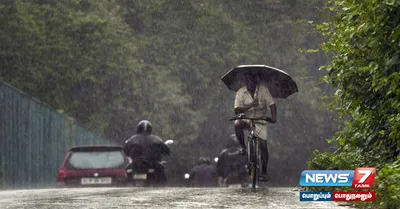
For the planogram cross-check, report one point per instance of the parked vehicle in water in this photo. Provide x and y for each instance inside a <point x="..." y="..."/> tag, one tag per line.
<point x="88" y="166"/>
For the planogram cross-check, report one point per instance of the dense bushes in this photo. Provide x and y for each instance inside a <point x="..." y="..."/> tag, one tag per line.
<point x="363" y="42"/>
<point x="388" y="185"/>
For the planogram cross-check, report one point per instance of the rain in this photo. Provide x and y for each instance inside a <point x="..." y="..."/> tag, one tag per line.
<point x="84" y="73"/>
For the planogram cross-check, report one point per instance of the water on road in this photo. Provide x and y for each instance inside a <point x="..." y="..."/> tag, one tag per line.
<point x="108" y="198"/>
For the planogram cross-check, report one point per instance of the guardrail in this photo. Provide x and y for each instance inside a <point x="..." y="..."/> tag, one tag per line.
<point x="34" y="139"/>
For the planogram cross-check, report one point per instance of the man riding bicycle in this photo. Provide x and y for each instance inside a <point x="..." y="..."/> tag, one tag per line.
<point x="253" y="100"/>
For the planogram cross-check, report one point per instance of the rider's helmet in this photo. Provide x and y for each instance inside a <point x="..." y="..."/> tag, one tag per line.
<point x="232" y="141"/>
<point x="207" y="160"/>
<point x="204" y="160"/>
<point x="201" y="160"/>
<point x="144" y="127"/>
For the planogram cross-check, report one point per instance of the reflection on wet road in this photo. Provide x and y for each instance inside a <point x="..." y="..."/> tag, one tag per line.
<point x="276" y="198"/>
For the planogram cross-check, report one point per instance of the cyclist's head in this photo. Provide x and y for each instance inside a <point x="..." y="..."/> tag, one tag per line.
<point x="232" y="141"/>
<point x="251" y="79"/>
<point x="144" y="127"/>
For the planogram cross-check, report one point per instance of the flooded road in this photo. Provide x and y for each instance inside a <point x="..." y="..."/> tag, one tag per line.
<point x="276" y="198"/>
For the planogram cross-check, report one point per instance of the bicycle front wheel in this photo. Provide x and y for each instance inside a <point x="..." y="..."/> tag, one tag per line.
<point x="253" y="163"/>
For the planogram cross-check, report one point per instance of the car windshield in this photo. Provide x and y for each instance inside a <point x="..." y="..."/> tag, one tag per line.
<point x="96" y="160"/>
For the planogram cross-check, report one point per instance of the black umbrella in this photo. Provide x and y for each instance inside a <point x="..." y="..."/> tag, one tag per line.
<point x="279" y="83"/>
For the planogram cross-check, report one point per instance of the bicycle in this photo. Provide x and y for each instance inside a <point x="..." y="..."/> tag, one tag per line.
<point x="253" y="149"/>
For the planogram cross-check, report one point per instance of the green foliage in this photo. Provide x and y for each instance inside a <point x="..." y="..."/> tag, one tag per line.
<point x="200" y="41"/>
<point x="111" y="63"/>
<point x="363" y="43"/>
<point x="388" y="185"/>
<point x="81" y="59"/>
<point x="364" y="68"/>
<point x="340" y="161"/>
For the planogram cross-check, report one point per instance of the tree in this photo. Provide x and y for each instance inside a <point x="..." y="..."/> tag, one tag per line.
<point x="112" y="63"/>
<point x="199" y="42"/>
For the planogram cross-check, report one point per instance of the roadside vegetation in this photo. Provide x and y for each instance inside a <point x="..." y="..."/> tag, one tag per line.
<point x="363" y="45"/>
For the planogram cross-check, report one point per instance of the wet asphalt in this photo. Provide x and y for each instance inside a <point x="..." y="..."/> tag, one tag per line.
<point x="169" y="197"/>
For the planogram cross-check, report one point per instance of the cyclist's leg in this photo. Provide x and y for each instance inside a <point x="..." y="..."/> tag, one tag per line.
<point x="264" y="155"/>
<point x="264" y="159"/>
<point x="240" y="126"/>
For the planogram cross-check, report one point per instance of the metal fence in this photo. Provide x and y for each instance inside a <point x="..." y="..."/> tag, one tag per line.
<point x="34" y="139"/>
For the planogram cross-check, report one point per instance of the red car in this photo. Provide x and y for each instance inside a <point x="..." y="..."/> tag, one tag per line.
<point x="93" y="166"/>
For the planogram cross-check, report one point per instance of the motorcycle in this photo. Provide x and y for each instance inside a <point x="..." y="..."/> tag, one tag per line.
<point x="237" y="176"/>
<point x="189" y="180"/>
<point x="144" y="173"/>
<point x="188" y="183"/>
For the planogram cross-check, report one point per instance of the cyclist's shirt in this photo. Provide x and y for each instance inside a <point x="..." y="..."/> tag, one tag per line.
<point x="265" y="99"/>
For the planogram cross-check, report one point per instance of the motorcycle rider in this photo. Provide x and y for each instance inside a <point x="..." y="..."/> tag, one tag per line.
<point x="231" y="163"/>
<point x="146" y="145"/>
<point x="204" y="173"/>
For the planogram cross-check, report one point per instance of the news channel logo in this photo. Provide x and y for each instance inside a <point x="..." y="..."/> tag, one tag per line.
<point x="360" y="178"/>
